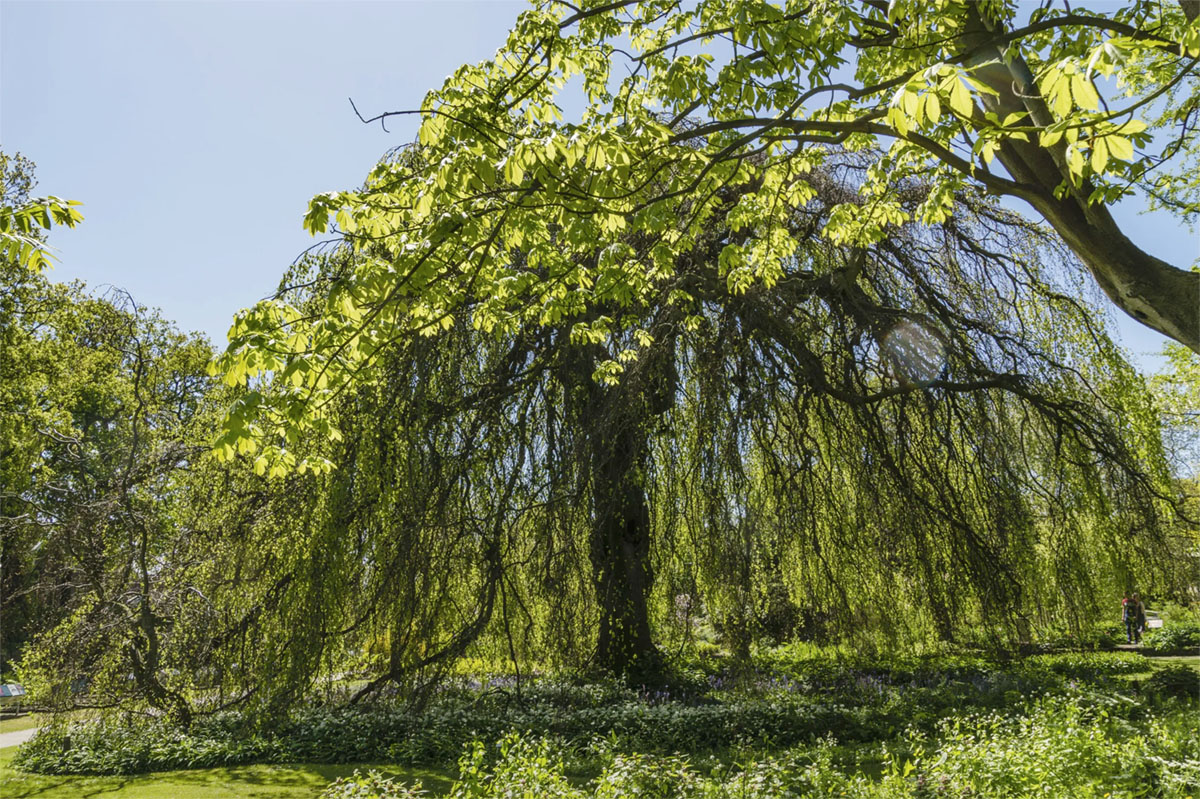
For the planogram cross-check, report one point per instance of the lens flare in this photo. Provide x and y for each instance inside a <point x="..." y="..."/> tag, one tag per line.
<point x="915" y="352"/>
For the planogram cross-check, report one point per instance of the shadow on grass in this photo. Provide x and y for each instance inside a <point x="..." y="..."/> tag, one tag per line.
<point x="256" y="782"/>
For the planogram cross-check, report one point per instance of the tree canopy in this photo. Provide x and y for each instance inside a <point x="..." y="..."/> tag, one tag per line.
<point x="1065" y="109"/>
<point x="752" y="341"/>
<point x="920" y="435"/>
<point x="760" y="285"/>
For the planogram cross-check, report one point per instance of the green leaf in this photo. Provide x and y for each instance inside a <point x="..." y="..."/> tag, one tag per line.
<point x="1120" y="147"/>
<point x="1099" y="155"/>
<point x="933" y="107"/>
<point x="1061" y="98"/>
<point x="514" y="173"/>
<point x="960" y="99"/>
<point x="487" y="172"/>
<point x="1084" y="92"/>
<point x="1049" y="137"/>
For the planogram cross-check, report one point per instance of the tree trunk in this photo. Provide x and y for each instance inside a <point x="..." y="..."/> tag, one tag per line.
<point x="615" y="422"/>
<point x="620" y="546"/>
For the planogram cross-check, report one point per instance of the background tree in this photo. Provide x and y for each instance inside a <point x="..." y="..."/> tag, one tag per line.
<point x="100" y="411"/>
<point x="22" y="247"/>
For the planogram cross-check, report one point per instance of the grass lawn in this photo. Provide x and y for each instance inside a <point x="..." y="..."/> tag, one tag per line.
<point x="1174" y="660"/>
<point x="255" y="782"/>
<point x="26" y="722"/>
<point x="1158" y="663"/>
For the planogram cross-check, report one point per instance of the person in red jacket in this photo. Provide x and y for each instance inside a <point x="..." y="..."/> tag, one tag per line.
<point x="1127" y="617"/>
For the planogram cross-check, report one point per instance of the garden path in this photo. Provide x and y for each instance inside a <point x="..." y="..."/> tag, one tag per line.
<point x="14" y="738"/>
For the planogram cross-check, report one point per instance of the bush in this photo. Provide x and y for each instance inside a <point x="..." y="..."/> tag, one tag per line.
<point x="371" y="785"/>
<point x="1177" y="680"/>
<point x="1172" y="637"/>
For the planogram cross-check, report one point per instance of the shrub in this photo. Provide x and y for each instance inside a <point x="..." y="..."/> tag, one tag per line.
<point x="371" y="785"/>
<point x="1176" y="680"/>
<point x="1173" y="637"/>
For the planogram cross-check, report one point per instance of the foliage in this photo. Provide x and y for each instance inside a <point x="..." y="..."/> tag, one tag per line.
<point x="102" y="412"/>
<point x="746" y="345"/>
<point x="831" y="673"/>
<point x="371" y="785"/>
<point x="1173" y="637"/>
<point x="1059" y="748"/>
<point x="1175" y="680"/>
<point x="748" y="97"/>
<point x="24" y="219"/>
<point x="860" y="703"/>
<point x="1177" y="391"/>
<point x="711" y="417"/>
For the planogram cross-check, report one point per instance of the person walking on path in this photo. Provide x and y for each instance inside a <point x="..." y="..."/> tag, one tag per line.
<point x="1127" y="617"/>
<point x="1139" y="617"/>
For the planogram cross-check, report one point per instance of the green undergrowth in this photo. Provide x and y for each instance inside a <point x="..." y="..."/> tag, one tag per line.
<point x="1174" y="638"/>
<point x="273" y="781"/>
<point x="1057" y="747"/>
<point x="786" y="700"/>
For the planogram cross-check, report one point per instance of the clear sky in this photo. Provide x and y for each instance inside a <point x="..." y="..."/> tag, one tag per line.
<point x="195" y="132"/>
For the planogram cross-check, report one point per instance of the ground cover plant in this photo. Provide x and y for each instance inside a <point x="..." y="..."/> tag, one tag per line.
<point x="932" y="726"/>
<point x="1057" y="749"/>
<point x="291" y="781"/>
<point x="1175" y="638"/>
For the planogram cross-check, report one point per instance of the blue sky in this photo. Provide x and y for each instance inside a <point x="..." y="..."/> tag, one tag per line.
<point x="195" y="132"/>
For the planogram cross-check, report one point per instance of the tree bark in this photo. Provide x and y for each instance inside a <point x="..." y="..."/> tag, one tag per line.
<point x="620" y="546"/>
<point x="615" y="422"/>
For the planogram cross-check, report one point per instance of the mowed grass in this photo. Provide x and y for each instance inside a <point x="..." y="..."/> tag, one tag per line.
<point x="26" y="722"/>
<point x="302" y="781"/>
<point x="1159" y="663"/>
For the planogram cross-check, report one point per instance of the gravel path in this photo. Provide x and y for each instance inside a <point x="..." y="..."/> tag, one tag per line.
<point x="14" y="738"/>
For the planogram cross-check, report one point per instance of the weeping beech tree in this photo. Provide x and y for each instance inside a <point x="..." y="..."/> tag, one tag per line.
<point x="563" y="451"/>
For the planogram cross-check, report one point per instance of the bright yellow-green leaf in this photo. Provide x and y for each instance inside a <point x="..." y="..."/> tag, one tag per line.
<point x="1075" y="160"/>
<point x="1099" y="155"/>
<point x="1061" y="98"/>
<point x="960" y="99"/>
<point x="933" y="107"/>
<point x="1084" y="92"/>
<point x="1132" y="127"/>
<point x="1048" y="138"/>
<point x="1120" y="147"/>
